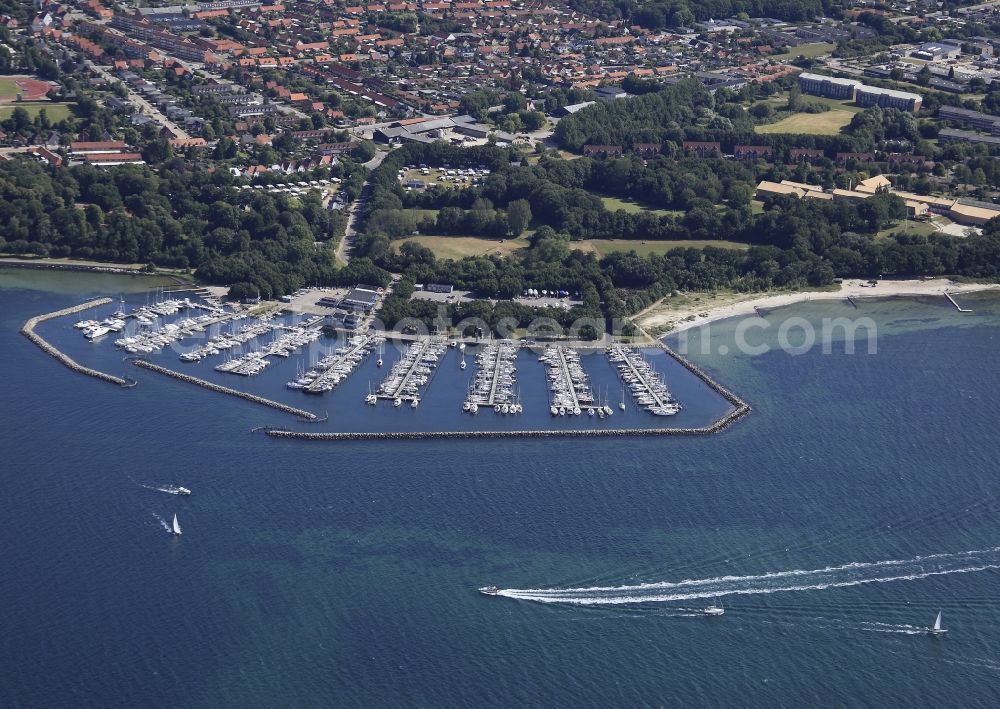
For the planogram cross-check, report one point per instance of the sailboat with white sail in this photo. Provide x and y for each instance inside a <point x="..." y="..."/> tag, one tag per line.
<point x="175" y="528"/>
<point x="937" y="629"/>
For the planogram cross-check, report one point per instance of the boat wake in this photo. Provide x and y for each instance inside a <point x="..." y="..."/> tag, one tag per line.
<point x="169" y="489"/>
<point x="163" y="522"/>
<point x="853" y="574"/>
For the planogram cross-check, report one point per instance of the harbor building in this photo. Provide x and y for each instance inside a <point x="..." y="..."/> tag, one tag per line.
<point x="360" y="299"/>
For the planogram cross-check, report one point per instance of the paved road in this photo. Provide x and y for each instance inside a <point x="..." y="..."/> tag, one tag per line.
<point x="354" y="212"/>
<point x="143" y="105"/>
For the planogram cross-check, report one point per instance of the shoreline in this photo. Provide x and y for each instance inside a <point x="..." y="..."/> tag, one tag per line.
<point x="697" y="314"/>
<point x="134" y="270"/>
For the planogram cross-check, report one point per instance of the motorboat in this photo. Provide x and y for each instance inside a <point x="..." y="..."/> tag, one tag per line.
<point x="490" y="591"/>
<point x="713" y="610"/>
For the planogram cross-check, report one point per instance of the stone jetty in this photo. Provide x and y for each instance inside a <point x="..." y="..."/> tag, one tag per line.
<point x="301" y="413"/>
<point x="28" y="330"/>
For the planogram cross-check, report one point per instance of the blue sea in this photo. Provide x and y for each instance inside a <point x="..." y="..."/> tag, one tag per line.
<point x="858" y="499"/>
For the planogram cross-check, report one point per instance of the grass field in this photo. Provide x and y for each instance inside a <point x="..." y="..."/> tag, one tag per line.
<point x="603" y="247"/>
<point x="828" y="123"/>
<point x="55" y="111"/>
<point x="457" y="247"/>
<point x="8" y="89"/>
<point x="614" y="204"/>
<point x="809" y="51"/>
<point x="912" y="227"/>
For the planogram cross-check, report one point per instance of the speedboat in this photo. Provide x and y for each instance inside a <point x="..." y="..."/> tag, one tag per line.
<point x="490" y="590"/>
<point x="183" y="491"/>
<point x="713" y="610"/>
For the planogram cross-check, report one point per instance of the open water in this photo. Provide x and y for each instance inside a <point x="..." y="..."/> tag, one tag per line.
<point x="858" y="499"/>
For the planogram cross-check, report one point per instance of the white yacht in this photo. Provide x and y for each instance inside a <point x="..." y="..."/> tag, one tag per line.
<point x="713" y="610"/>
<point x="175" y="529"/>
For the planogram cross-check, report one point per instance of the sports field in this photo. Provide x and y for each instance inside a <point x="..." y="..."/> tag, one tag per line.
<point x="55" y="111"/>
<point x="8" y="89"/>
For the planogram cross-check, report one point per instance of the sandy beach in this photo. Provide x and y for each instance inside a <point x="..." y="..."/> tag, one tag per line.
<point x="694" y="314"/>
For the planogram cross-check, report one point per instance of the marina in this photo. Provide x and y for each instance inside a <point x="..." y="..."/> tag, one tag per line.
<point x="334" y="368"/>
<point x="411" y="373"/>
<point x="148" y="338"/>
<point x="496" y="375"/>
<point x="643" y="381"/>
<point x="568" y="383"/>
<point x="227" y="341"/>
<point x="501" y="382"/>
<point x="294" y="337"/>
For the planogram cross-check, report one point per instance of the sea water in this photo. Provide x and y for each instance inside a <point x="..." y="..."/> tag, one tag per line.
<point x="858" y="499"/>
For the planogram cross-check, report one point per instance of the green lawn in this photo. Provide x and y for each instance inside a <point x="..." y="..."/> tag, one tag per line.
<point x="8" y="89"/>
<point x="55" y="111"/>
<point x="828" y="123"/>
<point x="909" y="227"/>
<point x="458" y="247"/>
<point x="614" y="204"/>
<point x="809" y="51"/>
<point x="603" y="247"/>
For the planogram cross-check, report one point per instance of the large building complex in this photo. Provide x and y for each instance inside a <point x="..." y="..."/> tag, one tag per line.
<point x="852" y="90"/>
<point x="828" y="86"/>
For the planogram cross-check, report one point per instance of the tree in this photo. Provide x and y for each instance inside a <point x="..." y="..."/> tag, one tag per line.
<point x="365" y="151"/>
<point x="518" y="216"/>
<point x="157" y="151"/>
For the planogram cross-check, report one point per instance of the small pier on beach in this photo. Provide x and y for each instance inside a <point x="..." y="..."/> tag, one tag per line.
<point x="958" y="307"/>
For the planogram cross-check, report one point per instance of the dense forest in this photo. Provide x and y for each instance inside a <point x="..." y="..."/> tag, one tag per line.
<point x="179" y="217"/>
<point x="657" y="14"/>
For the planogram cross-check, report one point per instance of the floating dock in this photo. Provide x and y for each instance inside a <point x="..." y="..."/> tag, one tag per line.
<point x="493" y="385"/>
<point x="644" y="382"/>
<point x="340" y="365"/>
<point x="412" y="371"/>
<point x="569" y="385"/>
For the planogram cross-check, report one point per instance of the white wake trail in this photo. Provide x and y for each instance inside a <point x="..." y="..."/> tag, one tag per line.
<point x="846" y="575"/>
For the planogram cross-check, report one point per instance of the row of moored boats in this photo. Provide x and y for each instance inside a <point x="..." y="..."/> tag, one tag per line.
<point x="410" y="374"/>
<point x="643" y="381"/>
<point x="331" y="370"/>
<point x="495" y="380"/>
